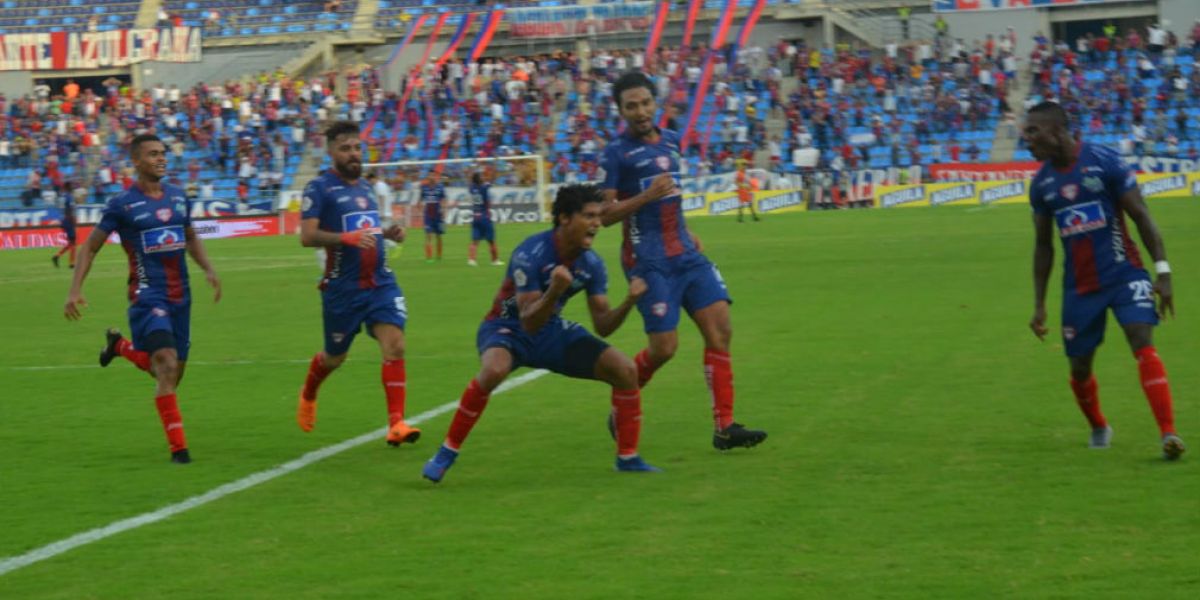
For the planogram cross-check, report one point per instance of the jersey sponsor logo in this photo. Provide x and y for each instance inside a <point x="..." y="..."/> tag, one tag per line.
<point x="343" y="199"/>
<point x="357" y="221"/>
<point x="1093" y="184"/>
<point x="641" y="163"/>
<point x="965" y="191"/>
<point x="163" y="239"/>
<point x="1080" y="219"/>
<point x="1008" y="190"/>
<point x="1093" y="169"/>
<point x="141" y="216"/>
<point x="637" y="150"/>
<point x="1160" y="186"/>
<point x="163" y="214"/>
<point x="915" y="194"/>
<point x="1069" y="191"/>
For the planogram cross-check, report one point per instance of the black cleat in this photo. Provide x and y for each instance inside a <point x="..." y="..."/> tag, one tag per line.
<point x="612" y="424"/>
<point x="181" y="457"/>
<point x="737" y="436"/>
<point x="111" y="337"/>
<point x="54" y="259"/>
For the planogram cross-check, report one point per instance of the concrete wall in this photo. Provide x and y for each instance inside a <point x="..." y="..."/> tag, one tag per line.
<point x="16" y="83"/>
<point x="219" y="64"/>
<point x="1181" y="14"/>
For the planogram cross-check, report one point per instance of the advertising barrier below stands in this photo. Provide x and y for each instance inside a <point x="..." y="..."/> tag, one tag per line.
<point x="1152" y="185"/>
<point x="963" y="6"/>
<point x="573" y="21"/>
<point x="88" y="214"/>
<point x="50" y="237"/>
<point x="770" y="202"/>
<point x="61" y="50"/>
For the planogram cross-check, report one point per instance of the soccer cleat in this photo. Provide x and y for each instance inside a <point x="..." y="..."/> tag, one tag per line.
<point x="181" y="457"/>
<point x="1173" y="447"/>
<point x="401" y="433"/>
<point x="737" y="436"/>
<point x="54" y="259"/>
<point x="111" y="337"/>
<point x="1101" y="437"/>
<point x="306" y="413"/>
<point x="471" y="262"/>
<point x="497" y="263"/>
<point x="612" y="424"/>
<point x="635" y="464"/>
<point x="436" y="468"/>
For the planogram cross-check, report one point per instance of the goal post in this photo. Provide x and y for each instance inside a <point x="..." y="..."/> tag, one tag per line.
<point x="519" y="188"/>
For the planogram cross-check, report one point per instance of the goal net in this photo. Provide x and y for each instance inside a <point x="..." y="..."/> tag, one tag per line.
<point x="519" y="190"/>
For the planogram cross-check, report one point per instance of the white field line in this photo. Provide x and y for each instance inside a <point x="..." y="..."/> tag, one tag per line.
<point x="10" y="564"/>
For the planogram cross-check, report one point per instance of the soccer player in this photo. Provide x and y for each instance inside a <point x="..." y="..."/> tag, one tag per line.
<point x="152" y="219"/>
<point x="641" y="190"/>
<point x="339" y="212"/>
<point x="524" y="327"/>
<point x="746" y="186"/>
<point x="68" y="226"/>
<point x="481" y="220"/>
<point x="1083" y="193"/>
<point x="433" y="194"/>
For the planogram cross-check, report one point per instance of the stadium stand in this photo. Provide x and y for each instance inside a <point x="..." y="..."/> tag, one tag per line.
<point x="225" y="18"/>
<point x="36" y="16"/>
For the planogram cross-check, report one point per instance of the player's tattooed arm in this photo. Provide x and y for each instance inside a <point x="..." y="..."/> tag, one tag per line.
<point x="607" y="320"/>
<point x="1043" y="264"/>
<point x="195" y="249"/>
<point x="1132" y="203"/>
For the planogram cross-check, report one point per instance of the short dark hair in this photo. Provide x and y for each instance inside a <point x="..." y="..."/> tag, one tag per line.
<point x="138" y="140"/>
<point x="631" y="80"/>
<point x="1051" y="110"/>
<point x="340" y="128"/>
<point x="572" y="198"/>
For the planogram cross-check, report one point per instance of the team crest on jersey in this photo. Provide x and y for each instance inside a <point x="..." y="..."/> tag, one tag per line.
<point x="163" y="239"/>
<point x="1069" y="191"/>
<point x="1093" y="184"/>
<point x="1068" y="333"/>
<point x="663" y="162"/>
<point x="659" y="309"/>
<point x="163" y="214"/>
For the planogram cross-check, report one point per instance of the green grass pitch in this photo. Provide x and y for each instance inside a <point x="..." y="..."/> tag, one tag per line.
<point x="922" y="442"/>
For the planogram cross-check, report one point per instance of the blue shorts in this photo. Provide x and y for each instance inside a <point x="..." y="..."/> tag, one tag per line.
<point x="150" y="315"/>
<point x="483" y="230"/>
<point x="1084" y="316"/>
<point x="692" y="283"/>
<point x="70" y="231"/>
<point x="435" y="226"/>
<point x="561" y="346"/>
<point x="345" y="312"/>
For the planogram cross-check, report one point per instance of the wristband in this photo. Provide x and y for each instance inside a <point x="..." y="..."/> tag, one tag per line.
<point x="350" y="238"/>
<point x="1161" y="267"/>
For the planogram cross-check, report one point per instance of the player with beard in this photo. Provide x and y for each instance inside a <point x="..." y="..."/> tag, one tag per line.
<point x="1083" y="192"/>
<point x="340" y="212"/>
<point x="641" y="191"/>
<point x="154" y="224"/>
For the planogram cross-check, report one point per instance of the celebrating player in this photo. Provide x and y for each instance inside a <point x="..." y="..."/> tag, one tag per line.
<point x="524" y="327"/>
<point x="153" y="221"/>
<point x="1083" y="192"/>
<point x="340" y="213"/>
<point x="433" y="194"/>
<point x="68" y="226"/>
<point x="746" y="186"/>
<point x="641" y="191"/>
<point x="481" y="220"/>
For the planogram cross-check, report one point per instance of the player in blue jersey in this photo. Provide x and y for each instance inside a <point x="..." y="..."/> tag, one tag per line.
<point x="433" y="194"/>
<point x="481" y="220"/>
<point x="68" y="226"/>
<point x="154" y="224"/>
<point x="339" y="212"/>
<point x="641" y="188"/>
<point x="1083" y="193"/>
<point x="524" y="327"/>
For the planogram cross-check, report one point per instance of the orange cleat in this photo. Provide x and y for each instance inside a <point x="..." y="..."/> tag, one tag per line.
<point x="306" y="413"/>
<point x="401" y="433"/>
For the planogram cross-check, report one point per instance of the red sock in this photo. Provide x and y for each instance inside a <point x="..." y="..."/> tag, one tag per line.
<point x="645" y="368"/>
<point x="718" y="371"/>
<point x="439" y="246"/>
<point x="168" y="411"/>
<point x="1158" y="391"/>
<point x="428" y="251"/>
<point x="471" y="252"/>
<point x="1087" y="395"/>
<point x="316" y="374"/>
<point x="139" y="359"/>
<point x="627" y="406"/>
<point x="495" y="254"/>
<point x="394" y="383"/>
<point x="470" y="407"/>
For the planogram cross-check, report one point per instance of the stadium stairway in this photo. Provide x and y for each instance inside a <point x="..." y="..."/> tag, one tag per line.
<point x="1004" y="142"/>
<point x="147" y="16"/>
<point x="364" y="17"/>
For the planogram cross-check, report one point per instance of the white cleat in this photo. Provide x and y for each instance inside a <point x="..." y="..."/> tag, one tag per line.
<point x="497" y="263"/>
<point x="1101" y="437"/>
<point x="471" y="262"/>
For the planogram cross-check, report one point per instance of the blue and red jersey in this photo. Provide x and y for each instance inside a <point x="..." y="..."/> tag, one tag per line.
<point x="1084" y="201"/>
<point x="656" y="232"/>
<point x="340" y="208"/>
<point x="481" y="203"/>
<point x="432" y="197"/>
<point x="152" y="231"/>
<point x="529" y="271"/>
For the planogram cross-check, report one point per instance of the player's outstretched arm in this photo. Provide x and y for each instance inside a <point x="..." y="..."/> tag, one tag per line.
<point x="312" y="236"/>
<point x="1043" y="264"/>
<point x="615" y="211"/>
<point x="537" y="307"/>
<point x="1133" y="205"/>
<point x="195" y="249"/>
<point x="87" y="253"/>
<point x="607" y="320"/>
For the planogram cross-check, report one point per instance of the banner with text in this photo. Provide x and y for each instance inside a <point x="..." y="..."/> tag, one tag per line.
<point x="572" y="21"/>
<point x="61" y="50"/>
<point x="964" y="6"/>
<point x="52" y="237"/>
<point x="87" y="214"/>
